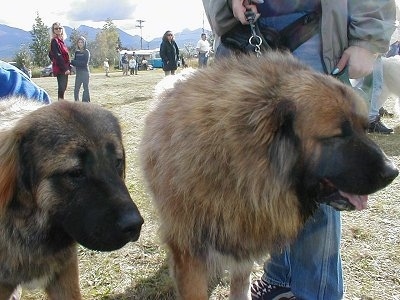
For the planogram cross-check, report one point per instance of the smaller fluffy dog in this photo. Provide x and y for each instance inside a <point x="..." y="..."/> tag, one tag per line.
<point x="391" y="80"/>
<point x="61" y="183"/>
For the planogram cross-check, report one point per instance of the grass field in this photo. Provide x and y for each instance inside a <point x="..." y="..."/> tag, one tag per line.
<point x="370" y="243"/>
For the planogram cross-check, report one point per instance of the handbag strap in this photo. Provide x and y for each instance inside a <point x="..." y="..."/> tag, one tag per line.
<point x="300" y="31"/>
<point x="291" y="36"/>
<point x="259" y="39"/>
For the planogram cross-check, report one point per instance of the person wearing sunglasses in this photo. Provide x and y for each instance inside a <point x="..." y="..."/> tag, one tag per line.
<point x="169" y="53"/>
<point x="59" y="56"/>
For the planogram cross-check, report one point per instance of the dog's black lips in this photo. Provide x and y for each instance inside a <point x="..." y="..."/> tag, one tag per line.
<point x="330" y="195"/>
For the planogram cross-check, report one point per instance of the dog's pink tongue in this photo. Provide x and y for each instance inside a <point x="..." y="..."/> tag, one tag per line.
<point x="359" y="201"/>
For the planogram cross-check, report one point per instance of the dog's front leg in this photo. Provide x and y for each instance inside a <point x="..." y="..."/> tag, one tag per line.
<point x="65" y="285"/>
<point x="190" y="275"/>
<point x="240" y="282"/>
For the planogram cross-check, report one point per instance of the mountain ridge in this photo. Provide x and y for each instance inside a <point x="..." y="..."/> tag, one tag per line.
<point x="13" y="38"/>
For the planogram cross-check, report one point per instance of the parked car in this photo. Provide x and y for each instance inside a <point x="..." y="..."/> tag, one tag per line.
<point x="48" y="71"/>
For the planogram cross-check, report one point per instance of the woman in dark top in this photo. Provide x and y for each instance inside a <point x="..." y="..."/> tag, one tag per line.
<point x="169" y="53"/>
<point x="81" y="63"/>
<point x="60" y="58"/>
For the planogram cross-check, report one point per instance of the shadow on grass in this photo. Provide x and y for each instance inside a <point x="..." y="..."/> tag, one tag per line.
<point x="111" y="105"/>
<point x="136" y="99"/>
<point x="157" y="287"/>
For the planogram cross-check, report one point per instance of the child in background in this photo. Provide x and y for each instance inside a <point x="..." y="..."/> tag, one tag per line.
<point x="81" y="63"/>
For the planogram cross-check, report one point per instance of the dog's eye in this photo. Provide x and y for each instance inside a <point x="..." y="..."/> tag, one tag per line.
<point x="338" y="136"/>
<point x="119" y="164"/>
<point x="76" y="173"/>
<point x="330" y="139"/>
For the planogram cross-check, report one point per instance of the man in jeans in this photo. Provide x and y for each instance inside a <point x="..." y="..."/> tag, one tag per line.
<point x="350" y="36"/>
<point x="203" y="49"/>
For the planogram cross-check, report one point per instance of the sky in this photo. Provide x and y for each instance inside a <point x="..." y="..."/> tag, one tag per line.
<point x="158" y="16"/>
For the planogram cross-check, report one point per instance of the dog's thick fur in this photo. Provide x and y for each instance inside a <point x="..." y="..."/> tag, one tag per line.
<point x="62" y="169"/>
<point x="237" y="156"/>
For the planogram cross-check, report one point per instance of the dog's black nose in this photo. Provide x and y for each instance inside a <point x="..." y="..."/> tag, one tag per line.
<point x="390" y="172"/>
<point x="131" y="224"/>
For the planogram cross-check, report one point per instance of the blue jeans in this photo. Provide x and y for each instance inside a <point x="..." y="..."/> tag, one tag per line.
<point x="377" y="81"/>
<point x="203" y="58"/>
<point x="311" y="266"/>
<point x="82" y="78"/>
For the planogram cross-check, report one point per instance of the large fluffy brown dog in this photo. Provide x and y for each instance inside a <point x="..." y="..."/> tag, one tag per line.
<point x="61" y="183"/>
<point x="238" y="155"/>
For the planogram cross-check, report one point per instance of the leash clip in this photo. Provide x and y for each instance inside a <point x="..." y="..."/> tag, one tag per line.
<point x="255" y="40"/>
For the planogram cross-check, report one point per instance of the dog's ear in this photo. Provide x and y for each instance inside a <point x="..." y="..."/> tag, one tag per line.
<point x="284" y="149"/>
<point x="8" y="166"/>
<point x="283" y="115"/>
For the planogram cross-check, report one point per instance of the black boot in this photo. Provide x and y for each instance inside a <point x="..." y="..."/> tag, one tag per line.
<point x="378" y="127"/>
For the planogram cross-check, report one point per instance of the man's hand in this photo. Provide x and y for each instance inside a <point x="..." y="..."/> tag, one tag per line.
<point x="239" y="7"/>
<point x="359" y="61"/>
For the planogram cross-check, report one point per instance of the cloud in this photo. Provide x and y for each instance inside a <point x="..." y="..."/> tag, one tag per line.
<point x="98" y="11"/>
<point x="159" y="16"/>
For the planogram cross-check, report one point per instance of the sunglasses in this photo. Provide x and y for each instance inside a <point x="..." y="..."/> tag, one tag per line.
<point x="57" y="28"/>
<point x="169" y="34"/>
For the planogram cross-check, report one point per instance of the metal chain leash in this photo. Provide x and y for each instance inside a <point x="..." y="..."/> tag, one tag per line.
<point x="255" y="40"/>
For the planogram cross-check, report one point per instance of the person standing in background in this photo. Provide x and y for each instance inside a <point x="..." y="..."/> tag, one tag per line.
<point x="203" y="50"/>
<point x="59" y="58"/>
<point x="125" y="64"/>
<point x="169" y="53"/>
<point x="133" y="65"/>
<point x="81" y="63"/>
<point x="106" y="67"/>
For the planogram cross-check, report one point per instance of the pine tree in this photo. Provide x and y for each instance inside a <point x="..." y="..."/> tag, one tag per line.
<point x="40" y="45"/>
<point x="106" y="44"/>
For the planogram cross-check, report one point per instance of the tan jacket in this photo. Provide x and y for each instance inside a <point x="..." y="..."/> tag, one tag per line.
<point x="364" y="23"/>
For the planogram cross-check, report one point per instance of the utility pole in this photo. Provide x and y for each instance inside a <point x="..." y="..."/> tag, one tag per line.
<point x="203" y="22"/>
<point x="141" y="34"/>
